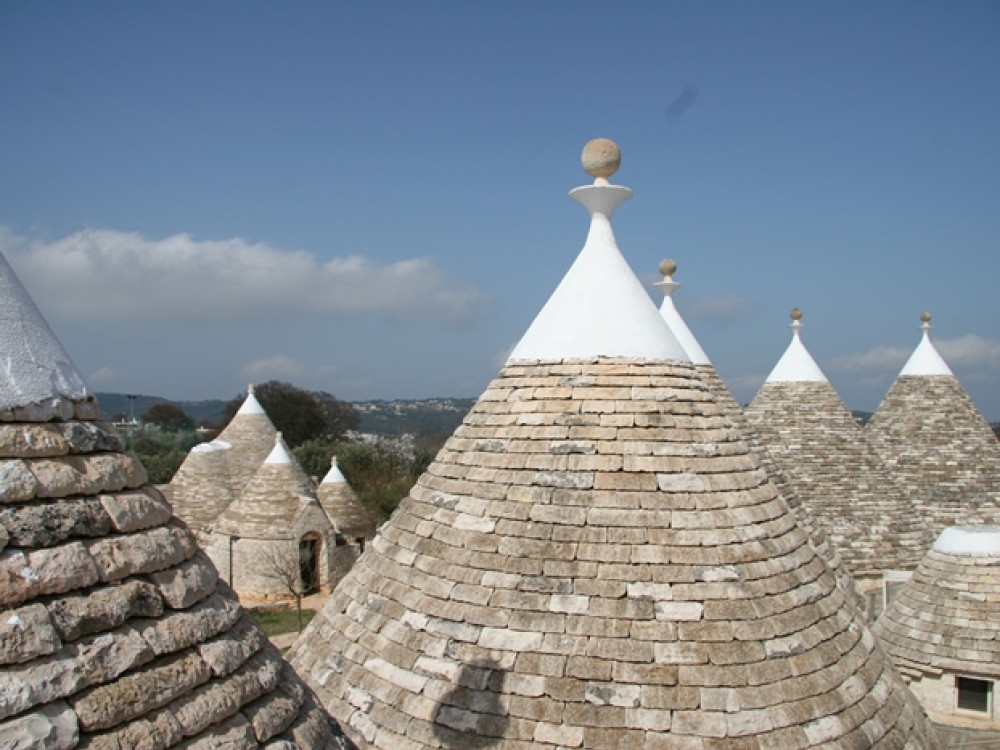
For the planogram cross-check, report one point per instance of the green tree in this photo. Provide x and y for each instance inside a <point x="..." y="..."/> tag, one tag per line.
<point x="160" y="453"/>
<point x="381" y="473"/>
<point x="298" y="414"/>
<point x="167" y="417"/>
<point x="314" y="456"/>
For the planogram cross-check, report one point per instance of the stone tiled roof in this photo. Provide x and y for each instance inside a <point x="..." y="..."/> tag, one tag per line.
<point x="343" y="506"/>
<point x="731" y="406"/>
<point x="595" y="559"/>
<point x="273" y="503"/>
<point x="214" y="474"/>
<point x="939" y="447"/>
<point x="201" y="489"/>
<point x="804" y="516"/>
<point x="114" y="629"/>
<point x="945" y="617"/>
<point x="819" y="451"/>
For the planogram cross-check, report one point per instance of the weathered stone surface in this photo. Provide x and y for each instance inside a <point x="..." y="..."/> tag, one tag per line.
<point x="556" y="621"/>
<point x="219" y="699"/>
<point x="44" y="571"/>
<point x="233" y="734"/>
<point x="45" y="524"/>
<point x="184" y="628"/>
<point x="91" y="437"/>
<point x="315" y="728"/>
<point x="940" y="450"/>
<point x="154" y="731"/>
<point x="133" y="511"/>
<point x="66" y="638"/>
<point x="188" y="583"/>
<point x="32" y="441"/>
<point x="270" y="715"/>
<point x="103" y="609"/>
<point x="143" y="552"/>
<point x="137" y="693"/>
<point x="17" y="483"/>
<point x="51" y="727"/>
<point x="227" y="652"/>
<point x="26" y="633"/>
<point x="74" y="667"/>
<point x="86" y="474"/>
<point x="44" y="410"/>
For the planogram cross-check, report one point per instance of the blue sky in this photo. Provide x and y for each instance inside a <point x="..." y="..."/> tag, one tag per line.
<point x="369" y="198"/>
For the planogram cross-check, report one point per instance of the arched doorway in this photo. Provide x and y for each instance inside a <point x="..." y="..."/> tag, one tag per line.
<point x="309" y="565"/>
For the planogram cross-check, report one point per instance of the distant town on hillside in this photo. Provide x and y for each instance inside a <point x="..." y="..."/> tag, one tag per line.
<point x="430" y="416"/>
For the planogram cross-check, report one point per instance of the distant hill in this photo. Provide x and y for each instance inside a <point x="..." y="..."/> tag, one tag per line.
<point x="113" y="404"/>
<point x="431" y="416"/>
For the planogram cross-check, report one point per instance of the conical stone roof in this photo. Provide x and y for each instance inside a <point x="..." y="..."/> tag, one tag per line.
<point x="114" y="629"/>
<point x="596" y="560"/>
<point x="274" y="500"/>
<point x="215" y="473"/>
<point x="945" y="617"/>
<point x="342" y="504"/>
<point x="819" y="450"/>
<point x="929" y="433"/>
<point x="703" y="366"/>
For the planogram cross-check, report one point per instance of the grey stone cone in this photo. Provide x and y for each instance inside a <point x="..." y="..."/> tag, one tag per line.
<point x="597" y="559"/>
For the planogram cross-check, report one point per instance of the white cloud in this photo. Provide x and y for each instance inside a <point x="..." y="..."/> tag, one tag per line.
<point x="281" y="366"/>
<point x="880" y="359"/>
<point x="104" y="376"/>
<point x="278" y="366"/>
<point x="970" y="351"/>
<point x="105" y="274"/>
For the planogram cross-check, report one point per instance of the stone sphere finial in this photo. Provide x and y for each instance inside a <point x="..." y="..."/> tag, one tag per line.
<point x="925" y="317"/>
<point x="668" y="267"/>
<point x="601" y="159"/>
<point x="796" y="314"/>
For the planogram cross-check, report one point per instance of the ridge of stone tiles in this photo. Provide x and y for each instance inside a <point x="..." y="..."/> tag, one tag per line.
<point x="804" y="516"/>
<point x="821" y="453"/>
<point x="703" y="366"/>
<point x="945" y="616"/>
<point x="271" y="504"/>
<point x="251" y="434"/>
<point x="595" y="559"/>
<point x="214" y="474"/>
<point x="200" y="489"/>
<point x="37" y="374"/>
<point x="342" y="504"/>
<point x="114" y="628"/>
<point x="941" y="450"/>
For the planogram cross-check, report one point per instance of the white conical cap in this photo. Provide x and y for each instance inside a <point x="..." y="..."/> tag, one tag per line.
<point x="250" y="405"/>
<point x="334" y="475"/>
<point x="34" y="366"/>
<point x="279" y="453"/>
<point x="796" y="364"/>
<point x="673" y="318"/>
<point x="925" y="359"/>
<point x="599" y="308"/>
